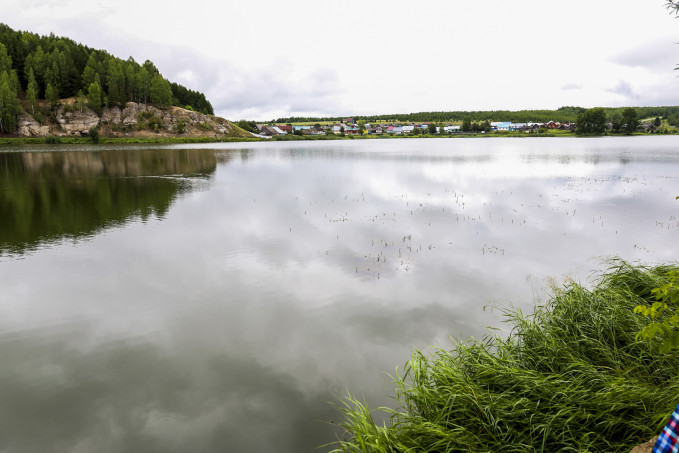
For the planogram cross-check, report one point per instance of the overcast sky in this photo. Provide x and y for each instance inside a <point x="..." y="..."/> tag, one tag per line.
<point x="267" y="59"/>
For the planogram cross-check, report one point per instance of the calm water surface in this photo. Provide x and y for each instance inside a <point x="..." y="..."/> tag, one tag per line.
<point x="218" y="298"/>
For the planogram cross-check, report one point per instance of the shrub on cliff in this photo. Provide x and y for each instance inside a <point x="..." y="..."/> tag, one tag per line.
<point x="93" y="134"/>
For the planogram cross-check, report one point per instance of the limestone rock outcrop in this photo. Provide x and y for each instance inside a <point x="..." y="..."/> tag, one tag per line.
<point x="30" y="127"/>
<point x="75" y="122"/>
<point x="131" y="120"/>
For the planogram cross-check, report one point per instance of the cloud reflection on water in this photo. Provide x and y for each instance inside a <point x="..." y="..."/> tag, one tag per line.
<point x="304" y="270"/>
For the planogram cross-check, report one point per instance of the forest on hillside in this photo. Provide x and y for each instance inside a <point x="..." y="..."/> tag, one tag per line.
<point x="51" y="67"/>
<point x="562" y="115"/>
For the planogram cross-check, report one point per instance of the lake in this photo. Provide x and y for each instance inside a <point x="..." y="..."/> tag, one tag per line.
<point x="222" y="297"/>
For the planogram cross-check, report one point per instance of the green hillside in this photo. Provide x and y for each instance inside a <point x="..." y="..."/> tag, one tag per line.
<point x="50" y="67"/>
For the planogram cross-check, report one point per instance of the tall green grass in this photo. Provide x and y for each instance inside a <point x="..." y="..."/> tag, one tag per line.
<point x="571" y="377"/>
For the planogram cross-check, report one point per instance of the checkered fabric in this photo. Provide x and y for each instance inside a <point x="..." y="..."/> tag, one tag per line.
<point x="668" y="442"/>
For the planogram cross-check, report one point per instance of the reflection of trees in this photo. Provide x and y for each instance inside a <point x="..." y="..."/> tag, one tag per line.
<point x="46" y="196"/>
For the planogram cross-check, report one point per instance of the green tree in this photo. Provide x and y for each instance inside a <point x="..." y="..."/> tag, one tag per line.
<point x="249" y="126"/>
<point x="160" y="91"/>
<point x="53" y="74"/>
<point x="662" y="314"/>
<point x="144" y="84"/>
<point x="131" y="80"/>
<point x="90" y="72"/>
<point x="592" y="121"/>
<point x="150" y="68"/>
<point x="52" y="95"/>
<point x="14" y="82"/>
<point x="115" y="79"/>
<point x="466" y="125"/>
<point x="32" y="92"/>
<point x="630" y="120"/>
<point x="5" y="59"/>
<point x="657" y="121"/>
<point x="80" y="101"/>
<point x="431" y="128"/>
<point x="9" y="105"/>
<point x="94" y="97"/>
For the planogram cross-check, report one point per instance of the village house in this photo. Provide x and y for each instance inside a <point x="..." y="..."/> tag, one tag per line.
<point x="271" y="131"/>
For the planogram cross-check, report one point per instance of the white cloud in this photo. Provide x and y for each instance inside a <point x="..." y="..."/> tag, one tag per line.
<point x="329" y="58"/>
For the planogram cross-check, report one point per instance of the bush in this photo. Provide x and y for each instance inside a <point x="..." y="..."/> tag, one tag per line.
<point x="93" y="134"/>
<point x="52" y="140"/>
<point x="39" y="118"/>
<point x="147" y="120"/>
<point x="181" y="127"/>
<point x="155" y="123"/>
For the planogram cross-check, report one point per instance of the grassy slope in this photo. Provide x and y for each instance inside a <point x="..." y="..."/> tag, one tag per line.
<point x="571" y="377"/>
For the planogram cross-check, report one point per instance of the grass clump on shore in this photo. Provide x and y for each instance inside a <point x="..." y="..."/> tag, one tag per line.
<point x="572" y="377"/>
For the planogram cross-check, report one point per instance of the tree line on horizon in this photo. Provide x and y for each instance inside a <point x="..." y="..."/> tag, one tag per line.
<point x="568" y="114"/>
<point x="52" y="67"/>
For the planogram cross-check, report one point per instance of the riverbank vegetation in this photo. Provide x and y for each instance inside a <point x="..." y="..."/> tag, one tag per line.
<point x="56" y="140"/>
<point x="572" y="376"/>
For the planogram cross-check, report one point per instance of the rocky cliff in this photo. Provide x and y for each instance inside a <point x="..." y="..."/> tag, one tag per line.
<point x="132" y="120"/>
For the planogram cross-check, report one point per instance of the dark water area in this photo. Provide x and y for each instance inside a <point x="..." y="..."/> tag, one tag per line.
<point x="50" y="196"/>
<point x="214" y="298"/>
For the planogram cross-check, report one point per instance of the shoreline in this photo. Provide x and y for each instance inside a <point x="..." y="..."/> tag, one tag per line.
<point x="103" y="140"/>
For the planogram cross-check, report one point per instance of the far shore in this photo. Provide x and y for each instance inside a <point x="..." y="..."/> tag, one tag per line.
<point x="56" y="140"/>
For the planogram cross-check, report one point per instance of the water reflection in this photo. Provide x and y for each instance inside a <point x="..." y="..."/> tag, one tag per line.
<point x="49" y="196"/>
<point x="302" y="271"/>
<point x="135" y="397"/>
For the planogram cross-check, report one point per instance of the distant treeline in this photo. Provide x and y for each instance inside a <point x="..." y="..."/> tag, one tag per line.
<point x="70" y="67"/>
<point x="562" y="115"/>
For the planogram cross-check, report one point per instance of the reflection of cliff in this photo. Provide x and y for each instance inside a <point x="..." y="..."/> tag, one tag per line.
<point x="47" y="196"/>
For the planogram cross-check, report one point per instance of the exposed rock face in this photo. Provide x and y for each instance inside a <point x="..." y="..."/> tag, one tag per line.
<point x="76" y="122"/>
<point x="132" y="120"/>
<point x="29" y="127"/>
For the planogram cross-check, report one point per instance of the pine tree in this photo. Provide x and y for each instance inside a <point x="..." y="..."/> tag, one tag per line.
<point x="5" y="60"/>
<point x="90" y="72"/>
<point x="52" y="95"/>
<point x="9" y="105"/>
<point x="80" y="101"/>
<point x="131" y="81"/>
<point x="144" y="84"/>
<point x="116" y="83"/>
<point x="14" y="82"/>
<point x="161" y="92"/>
<point x="94" y="97"/>
<point x="32" y="91"/>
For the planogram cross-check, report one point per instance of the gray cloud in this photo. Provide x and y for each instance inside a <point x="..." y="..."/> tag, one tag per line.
<point x="658" y="56"/>
<point x="237" y="93"/>
<point x="623" y="88"/>
<point x="571" y="86"/>
<point x="660" y="93"/>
